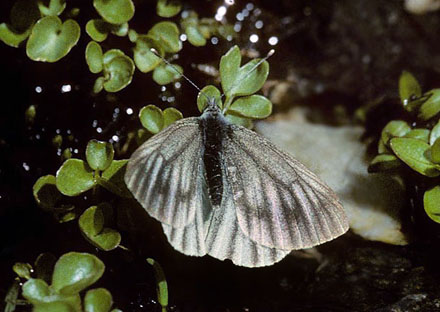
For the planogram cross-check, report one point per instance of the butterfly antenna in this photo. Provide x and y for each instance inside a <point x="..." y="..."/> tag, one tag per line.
<point x="269" y="54"/>
<point x="179" y="72"/>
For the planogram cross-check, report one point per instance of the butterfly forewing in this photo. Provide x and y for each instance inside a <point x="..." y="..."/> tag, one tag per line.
<point x="165" y="174"/>
<point x="278" y="201"/>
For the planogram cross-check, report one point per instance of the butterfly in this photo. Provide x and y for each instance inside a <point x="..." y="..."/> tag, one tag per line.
<point x="222" y="190"/>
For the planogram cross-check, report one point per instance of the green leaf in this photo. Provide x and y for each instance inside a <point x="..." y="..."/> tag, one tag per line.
<point x="97" y="29"/>
<point x="98" y="300"/>
<point x="115" y="11"/>
<point x="151" y="118"/>
<point x="395" y="128"/>
<point x="254" y="106"/>
<point x="36" y="291"/>
<point x="161" y="283"/>
<point x="171" y="115"/>
<point x="421" y="134"/>
<point x="166" y="34"/>
<point x="435" y="151"/>
<point x="99" y="84"/>
<point x="229" y="68"/>
<point x="384" y="162"/>
<point x="241" y="121"/>
<point x="51" y="39"/>
<point x="195" y="37"/>
<point x="165" y="74"/>
<point x="99" y="154"/>
<point x="144" y="59"/>
<point x="168" y="8"/>
<point x="120" y="30"/>
<point x="435" y="133"/>
<point x="118" y="71"/>
<point x="57" y="306"/>
<point x="115" y="176"/>
<point x="414" y="153"/>
<point x="55" y="7"/>
<point x="76" y="271"/>
<point x="11" y="296"/>
<point x="432" y="106"/>
<point x="91" y="221"/>
<point x="74" y="177"/>
<point x="382" y="148"/>
<point x="11" y="37"/>
<point x="23" y="270"/>
<point x="207" y="93"/>
<point x="409" y="88"/>
<point x="44" y="265"/>
<point x="45" y="192"/>
<point x="431" y="203"/>
<point x="94" y="57"/>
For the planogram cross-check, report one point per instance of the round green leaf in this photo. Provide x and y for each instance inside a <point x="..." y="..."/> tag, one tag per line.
<point x="171" y="115"/>
<point x="168" y="8"/>
<point x="249" y="79"/>
<point x="11" y="37"/>
<point x="408" y="88"/>
<point x="114" y="175"/>
<point x="22" y="269"/>
<point x="118" y="73"/>
<point x="435" y="133"/>
<point x="195" y="37"/>
<point x="432" y="106"/>
<point x="51" y="39"/>
<point x="45" y="192"/>
<point x="97" y="29"/>
<point x="107" y="240"/>
<point x="36" y="291"/>
<point x="94" y="57"/>
<point x="115" y="11"/>
<point x="165" y="74"/>
<point x="99" y="84"/>
<point x="110" y="55"/>
<point x="384" y="162"/>
<point x="421" y="134"/>
<point x="98" y="300"/>
<point x="395" y="128"/>
<point x="229" y="68"/>
<point x="435" y="151"/>
<point x="55" y="7"/>
<point x="74" y="177"/>
<point x="144" y="59"/>
<point x="431" y="203"/>
<point x="99" y="154"/>
<point x="414" y="153"/>
<point x="241" y="121"/>
<point x="254" y="106"/>
<point x="206" y="94"/>
<point x="91" y="221"/>
<point x="151" y="118"/>
<point x="57" y="306"/>
<point x="120" y="30"/>
<point x="166" y="34"/>
<point x="75" y="271"/>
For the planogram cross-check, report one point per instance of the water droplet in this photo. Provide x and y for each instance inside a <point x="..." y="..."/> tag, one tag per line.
<point x="66" y="88"/>
<point x="253" y="38"/>
<point x="38" y="89"/>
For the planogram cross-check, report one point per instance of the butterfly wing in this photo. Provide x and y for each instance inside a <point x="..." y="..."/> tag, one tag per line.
<point x="279" y="203"/>
<point x="165" y="174"/>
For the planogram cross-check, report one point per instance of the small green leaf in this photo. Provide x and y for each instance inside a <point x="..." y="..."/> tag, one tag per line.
<point x="161" y="283"/>
<point x="384" y="162"/>
<point x="421" y="134"/>
<point x="97" y="29"/>
<point x="144" y="59"/>
<point x="207" y="93"/>
<point x="241" y="121"/>
<point x="432" y="106"/>
<point x="414" y="153"/>
<point x="11" y="37"/>
<point x="115" y="176"/>
<point x="151" y="118"/>
<point x="395" y="128"/>
<point x="99" y="84"/>
<point x="55" y="7"/>
<point x="229" y="68"/>
<point x="435" y="151"/>
<point x="99" y="154"/>
<point x="12" y="296"/>
<point x="36" y="291"/>
<point x="165" y="74"/>
<point x="57" y="306"/>
<point x="435" y="133"/>
<point x="115" y="11"/>
<point x="45" y="192"/>
<point x="44" y="265"/>
<point x="94" y="57"/>
<point x="74" y="177"/>
<point x="409" y="88"/>
<point x="168" y="8"/>
<point x="195" y="37"/>
<point x="171" y="115"/>
<point x="23" y="270"/>
<point x="118" y="71"/>
<point x="120" y="30"/>
<point x="51" y="39"/>
<point x="382" y="148"/>
<point x="166" y="34"/>
<point x="254" y="106"/>
<point x="98" y="300"/>
<point x="76" y="271"/>
<point x="431" y="203"/>
<point x="91" y="221"/>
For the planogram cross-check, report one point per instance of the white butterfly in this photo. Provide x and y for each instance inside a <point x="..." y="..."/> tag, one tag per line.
<point x="223" y="190"/>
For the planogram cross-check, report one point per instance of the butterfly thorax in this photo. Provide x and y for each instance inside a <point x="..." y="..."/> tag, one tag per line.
<point x="214" y="127"/>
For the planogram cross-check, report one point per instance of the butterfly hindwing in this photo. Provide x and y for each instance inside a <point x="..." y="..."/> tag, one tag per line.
<point x="279" y="203"/>
<point x="165" y="173"/>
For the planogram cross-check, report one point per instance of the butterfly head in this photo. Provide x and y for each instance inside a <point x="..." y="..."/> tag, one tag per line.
<point x="211" y="106"/>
